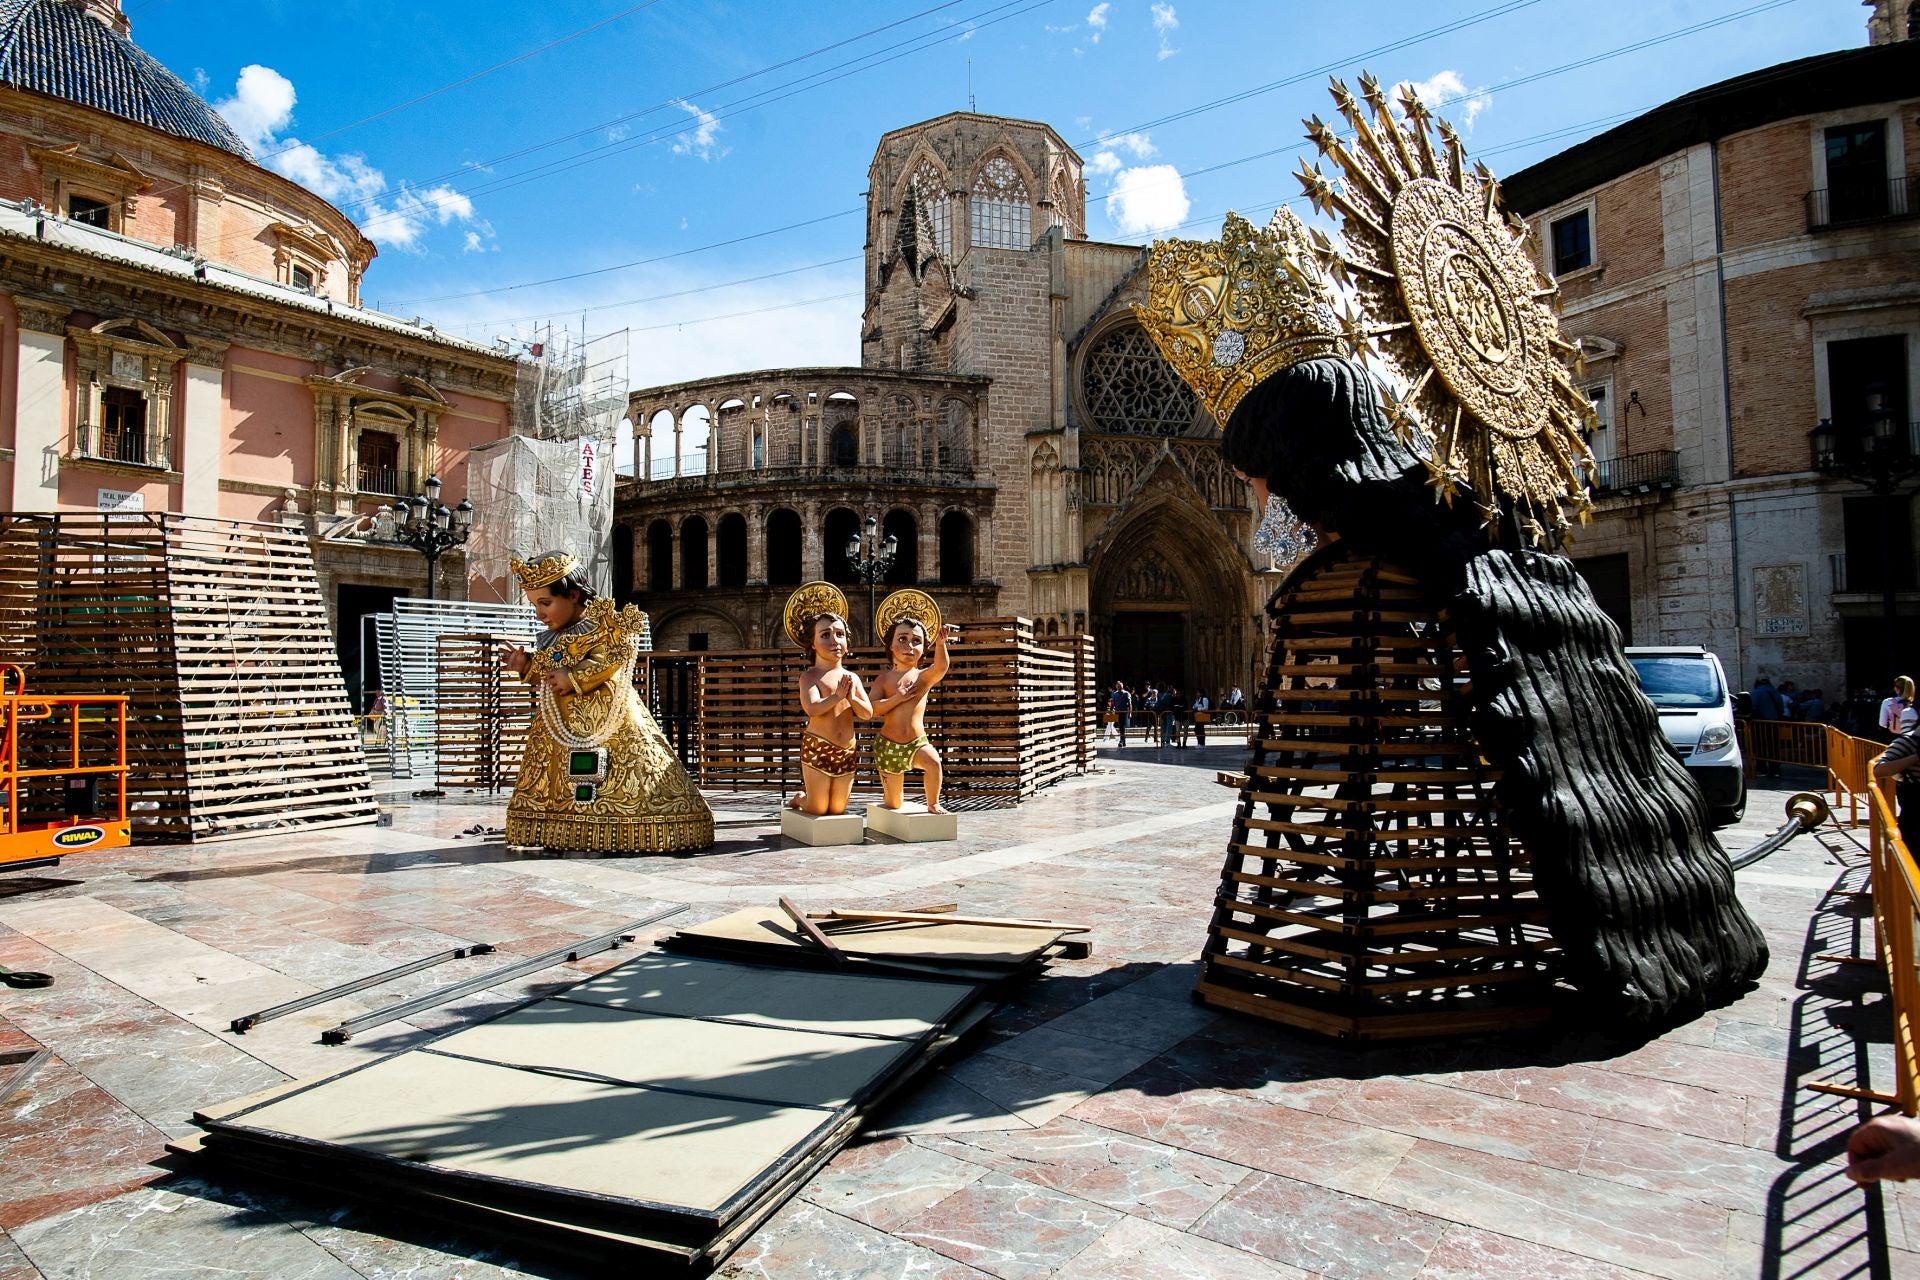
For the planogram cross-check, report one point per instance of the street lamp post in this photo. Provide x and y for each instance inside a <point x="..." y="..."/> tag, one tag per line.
<point x="427" y="525"/>
<point x="875" y="566"/>
<point x="1881" y="456"/>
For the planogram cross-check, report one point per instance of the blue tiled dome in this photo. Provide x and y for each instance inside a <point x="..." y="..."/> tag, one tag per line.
<point x="56" y="48"/>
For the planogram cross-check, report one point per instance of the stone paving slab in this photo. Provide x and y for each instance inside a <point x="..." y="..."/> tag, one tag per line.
<point x="1103" y="1126"/>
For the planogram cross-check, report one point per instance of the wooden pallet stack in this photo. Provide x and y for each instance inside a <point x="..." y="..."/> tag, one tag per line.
<point x="1379" y="896"/>
<point x="217" y="633"/>
<point x="483" y="713"/>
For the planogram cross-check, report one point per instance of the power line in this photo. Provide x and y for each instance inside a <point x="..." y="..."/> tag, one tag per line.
<point x="463" y="81"/>
<point x="1534" y="77"/>
<point x="620" y="145"/>
<point x="1202" y="220"/>
<point x="739" y="106"/>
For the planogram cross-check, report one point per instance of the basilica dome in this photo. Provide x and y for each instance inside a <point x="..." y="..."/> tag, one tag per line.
<point x="79" y="51"/>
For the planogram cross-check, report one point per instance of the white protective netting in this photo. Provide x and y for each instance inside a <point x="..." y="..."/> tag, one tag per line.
<point x="540" y="495"/>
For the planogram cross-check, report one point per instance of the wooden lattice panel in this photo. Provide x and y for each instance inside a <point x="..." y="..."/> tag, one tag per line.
<point x="482" y="716"/>
<point x="215" y="630"/>
<point x="1013" y="714"/>
<point x="1371" y="890"/>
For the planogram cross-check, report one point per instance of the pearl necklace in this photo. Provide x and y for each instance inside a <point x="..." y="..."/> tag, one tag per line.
<point x="556" y="724"/>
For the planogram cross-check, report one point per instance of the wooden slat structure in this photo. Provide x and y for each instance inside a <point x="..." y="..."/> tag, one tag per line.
<point x="482" y="713"/>
<point x="1013" y="715"/>
<point x="215" y="631"/>
<point x="1371" y="890"/>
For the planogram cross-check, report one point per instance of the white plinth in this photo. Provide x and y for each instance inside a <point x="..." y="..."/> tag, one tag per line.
<point x="831" y="828"/>
<point x="912" y="823"/>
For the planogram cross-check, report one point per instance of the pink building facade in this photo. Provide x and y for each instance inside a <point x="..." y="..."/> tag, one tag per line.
<point x="180" y="327"/>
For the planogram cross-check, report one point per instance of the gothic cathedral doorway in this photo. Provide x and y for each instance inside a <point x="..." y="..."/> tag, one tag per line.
<point x="1149" y="644"/>
<point x="1169" y="597"/>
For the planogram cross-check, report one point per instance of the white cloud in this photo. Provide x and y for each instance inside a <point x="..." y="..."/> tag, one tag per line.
<point x="699" y="141"/>
<point x="1097" y="21"/>
<point x="1148" y="198"/>
<point x="1164" y="23"/>
<point x="1461" y="103"/>
<point x="1105" y="162"/>
<point x="261" y="105"/>
<point x="1138" y="143"/>
<point x="260" y="111"/>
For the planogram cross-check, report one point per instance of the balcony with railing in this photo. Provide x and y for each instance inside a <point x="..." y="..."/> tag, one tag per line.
<point x="1650" y="472"/>
<point x="132" y="445"/>
<point x="376" y="478"/>
<point x="1855" y="204"/>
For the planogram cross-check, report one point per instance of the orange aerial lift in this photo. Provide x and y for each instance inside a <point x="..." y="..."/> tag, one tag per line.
<point x="90" y="724"/>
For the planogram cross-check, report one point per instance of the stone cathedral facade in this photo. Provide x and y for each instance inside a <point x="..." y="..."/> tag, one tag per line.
<point x="1010" y="425"/>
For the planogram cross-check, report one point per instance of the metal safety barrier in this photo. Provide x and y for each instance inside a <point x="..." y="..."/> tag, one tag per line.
<point x="1895" y="886"/>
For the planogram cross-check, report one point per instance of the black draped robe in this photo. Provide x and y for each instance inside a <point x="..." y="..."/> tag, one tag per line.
<point x="1639" y="894"/>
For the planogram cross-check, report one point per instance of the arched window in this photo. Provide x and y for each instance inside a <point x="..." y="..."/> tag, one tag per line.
<point x="660" y="556"/>
<point x="842" y="524"/>
<point x="1130" y="389"/>
<point x="783" y="548"/>
<point x="930" y="193"/>
<point x="955" y="442"/>
<point x="846" y="445"/>
<point x="1066" y="211"/>
<point x="956" y="549"/>
<point x="663" y="440"/>
<point x="905" y="531"/>
<point x="730" y="549"/>
<point x="1002" y="210"/>
<point x="693" y="553"/>
<point x="696" y="439"/>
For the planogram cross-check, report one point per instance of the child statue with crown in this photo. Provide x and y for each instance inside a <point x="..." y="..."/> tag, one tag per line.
<point x="598" y="775"/>
<point x="1455" y="471"/>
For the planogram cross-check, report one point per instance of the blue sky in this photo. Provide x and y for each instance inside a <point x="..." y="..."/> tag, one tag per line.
<point x="623" y="133"/>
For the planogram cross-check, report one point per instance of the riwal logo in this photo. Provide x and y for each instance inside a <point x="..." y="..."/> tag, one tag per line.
<point x="79" y="837"/>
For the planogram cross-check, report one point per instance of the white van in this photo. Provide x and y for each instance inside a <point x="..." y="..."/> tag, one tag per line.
<point x="1688" y="686"/>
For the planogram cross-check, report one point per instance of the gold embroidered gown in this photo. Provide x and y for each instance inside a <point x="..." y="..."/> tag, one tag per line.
<point x="647" y="803"/>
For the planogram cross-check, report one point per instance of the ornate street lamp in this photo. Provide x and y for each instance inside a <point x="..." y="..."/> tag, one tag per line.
<point x="875" y="566"/>
<point x="1880" y="455"/>
<point x="427" y="525"/>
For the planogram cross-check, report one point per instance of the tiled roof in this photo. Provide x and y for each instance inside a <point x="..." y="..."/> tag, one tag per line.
<point x="53" y="47"/>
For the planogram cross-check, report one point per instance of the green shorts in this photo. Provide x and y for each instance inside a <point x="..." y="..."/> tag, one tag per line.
<point x="895" y="757"/>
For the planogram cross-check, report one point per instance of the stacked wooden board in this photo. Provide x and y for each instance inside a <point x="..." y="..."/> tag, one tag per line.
<point x="1014" y="714"/>
<point x="482" y="713"/>
<point x="216" y="632"/>
<point x="656" y="1113"/>
<point x="1371" y="888"/>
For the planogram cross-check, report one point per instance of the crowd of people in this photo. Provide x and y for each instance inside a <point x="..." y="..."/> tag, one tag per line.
<point x="1865" y="714"/>
<point x="1163" y="711"/>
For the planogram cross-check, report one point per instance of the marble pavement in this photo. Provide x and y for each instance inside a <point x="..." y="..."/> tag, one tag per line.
<point x="1103" y="1127"/>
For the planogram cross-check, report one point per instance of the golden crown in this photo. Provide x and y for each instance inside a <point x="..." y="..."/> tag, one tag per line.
<point x="1230" y="313"/>
<point x="545" y="569"/>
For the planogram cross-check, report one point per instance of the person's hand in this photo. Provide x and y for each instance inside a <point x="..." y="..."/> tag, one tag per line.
<point x="907" y="682"/>
<point x="1884" y="1149"/>
<point x="559" y="682"/>
<point x="513" y="658"/>
<point x="846" y="686"/>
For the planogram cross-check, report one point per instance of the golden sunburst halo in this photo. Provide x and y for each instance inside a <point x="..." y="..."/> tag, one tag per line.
<point x="1457" y="305"/>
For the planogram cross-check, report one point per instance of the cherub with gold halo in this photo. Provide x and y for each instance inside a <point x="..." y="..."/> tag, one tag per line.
<point x="831" y="697"/>
<point x="909" y="619"/>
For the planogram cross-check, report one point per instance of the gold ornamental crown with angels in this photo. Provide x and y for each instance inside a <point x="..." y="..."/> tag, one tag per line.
<point x="1448" y="291"/>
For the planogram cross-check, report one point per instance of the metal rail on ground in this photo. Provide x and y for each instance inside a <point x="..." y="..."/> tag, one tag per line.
<point x="533" y="964"/>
